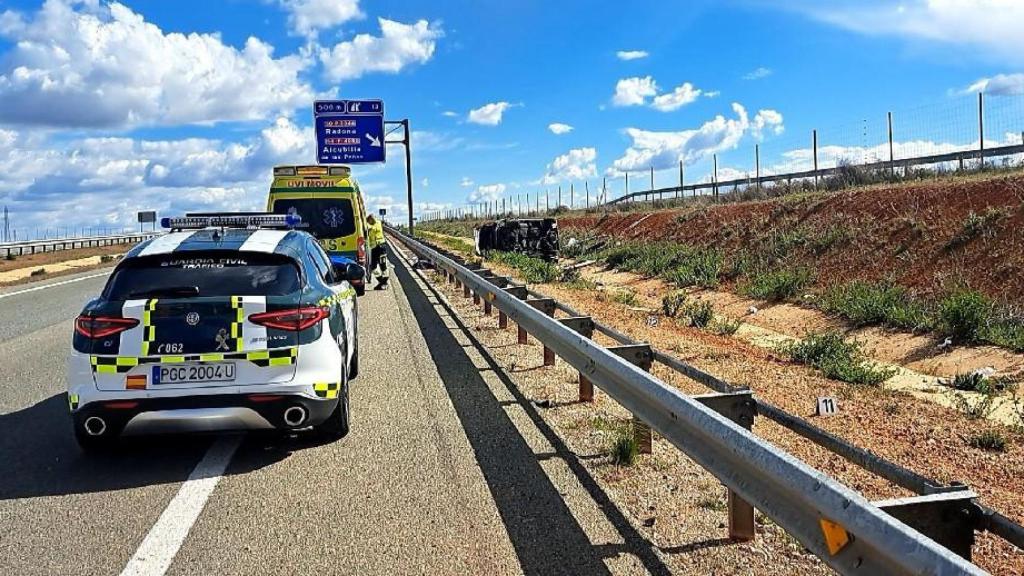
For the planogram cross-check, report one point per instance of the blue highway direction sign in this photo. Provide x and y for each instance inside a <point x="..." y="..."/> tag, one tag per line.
<point x="349" y="131"/>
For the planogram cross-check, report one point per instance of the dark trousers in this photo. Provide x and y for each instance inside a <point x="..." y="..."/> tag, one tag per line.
<point x="379" y="257"/>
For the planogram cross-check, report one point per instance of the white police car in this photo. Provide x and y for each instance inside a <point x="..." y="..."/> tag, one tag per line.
<point x="227" y="322"/>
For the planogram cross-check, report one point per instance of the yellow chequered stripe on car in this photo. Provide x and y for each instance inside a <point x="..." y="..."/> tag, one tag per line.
<point x="73" y="401"/>
<point x="237" y="321"/>
<point x="113" y="364"/>
<point x="326" y="389"/>
<point x="148" y="330"/>
<point x="337" y="297"/>
<point x="262" y="358"/>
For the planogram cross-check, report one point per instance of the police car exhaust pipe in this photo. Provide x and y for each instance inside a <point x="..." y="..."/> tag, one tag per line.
<point x="294" y="416"/>
<point x="95" y="426"/>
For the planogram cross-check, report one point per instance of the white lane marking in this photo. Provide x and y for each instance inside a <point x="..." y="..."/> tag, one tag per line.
<point x="72" y="281"/>
<point x="158" y="549"/>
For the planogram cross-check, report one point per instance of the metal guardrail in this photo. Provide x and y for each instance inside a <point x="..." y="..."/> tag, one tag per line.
<point x="805" y="502"/>
<point x="960" y="156"/>
<point x="33" y="246"/>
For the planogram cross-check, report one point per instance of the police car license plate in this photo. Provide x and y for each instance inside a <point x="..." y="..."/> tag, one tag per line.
<point x="194" y="373"/>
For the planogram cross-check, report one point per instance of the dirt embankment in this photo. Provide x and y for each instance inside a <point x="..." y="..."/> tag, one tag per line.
<point x="929" y="237"/>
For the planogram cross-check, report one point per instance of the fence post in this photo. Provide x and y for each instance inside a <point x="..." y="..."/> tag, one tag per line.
<point x="814" y="141"/>
<point x="627" y="183"/>
<point x="757" y="165"/>
<point x="586" y="186"/>
<point x="714" y="178"/>
<point x="981" y="130"/>
<point x="559" y="197"/>
<point x="547" y="202"/>
<point x="892" y="156"/>
<point x="679" y="193"/>
<point x="572" y="195"/>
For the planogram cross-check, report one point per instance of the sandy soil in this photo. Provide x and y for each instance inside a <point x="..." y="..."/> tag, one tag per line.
<point x="57" y="263"/>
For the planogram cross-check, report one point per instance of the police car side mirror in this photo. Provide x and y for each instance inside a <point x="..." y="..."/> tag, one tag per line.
<point x="352" y="272"/>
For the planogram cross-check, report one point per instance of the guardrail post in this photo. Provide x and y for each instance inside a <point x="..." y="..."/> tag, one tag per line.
<point x="642" y="356"/>
<point x="948" y="518"/>
<point x="499" y="282"/>
<point x="741" y="409"/>
<point x="519" y="292"/>
<point x="547" y="306"/>
<point x="584" y="326"/>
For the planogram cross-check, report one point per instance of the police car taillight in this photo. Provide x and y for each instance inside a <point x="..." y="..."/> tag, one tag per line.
<point x="294" y="320"/>
<point x="102" y="326"/>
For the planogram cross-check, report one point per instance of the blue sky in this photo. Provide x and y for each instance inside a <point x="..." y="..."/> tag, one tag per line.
<point x="108" y="108"/>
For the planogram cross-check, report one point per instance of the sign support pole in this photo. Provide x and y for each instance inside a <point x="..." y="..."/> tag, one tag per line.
<point x="405" y="141"/>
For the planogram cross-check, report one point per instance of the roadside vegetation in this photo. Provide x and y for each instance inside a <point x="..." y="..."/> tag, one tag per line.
<point x="836" y="358"/>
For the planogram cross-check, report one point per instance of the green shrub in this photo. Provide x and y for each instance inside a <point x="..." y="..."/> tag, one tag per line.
<point x="726" y="326"/>
<point x="680" y="264"/>
<point x="532" y="269"/>
<point x="988" y="440"/>
<point x="976" y="225"/>
<point x="836" y="358"/>
<point x="624" y="448"/>
<point x="38" y="272"/>
<point x="777" y="285"/>
<point x="963" y="315"/>
<point x="625" y="297"/>
<point x="10" y="256"/>
<point x="672" y="304"/>
<point x="107" y="258"/>
<point x="977" y="408"/>
<point x="865" y="303"/>
<point x="1007" y="332"/>
<point x="698" y="268"/>
<point x="700" y="313"/>
<point x="971" y="382"/>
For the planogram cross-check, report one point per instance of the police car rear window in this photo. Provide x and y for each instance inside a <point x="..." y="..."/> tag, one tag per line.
<point x="321" y="217"/>
<point x="212" y="273"/>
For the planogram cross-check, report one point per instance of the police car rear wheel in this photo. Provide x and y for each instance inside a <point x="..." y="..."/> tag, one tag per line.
<point x="336" y="426"/>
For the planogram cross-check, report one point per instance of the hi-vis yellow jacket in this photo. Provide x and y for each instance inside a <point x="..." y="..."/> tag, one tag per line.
<point x="375" y="235"/>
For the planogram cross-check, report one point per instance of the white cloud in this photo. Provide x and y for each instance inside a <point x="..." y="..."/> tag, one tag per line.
<point x="576" y="164"/>
<point x="999" y="85"/>
<point x="94" y="64"/>
<point x="489" y="192"/>
<point x="666" y="149"/>
<point x="634" y="91"/>
<point x="991" y="27"/>
<point x="449" y="114"/>
<point x="559" y="128"/>
<point x="758" y="73"/>
<point x="425" y="183"/>
<point x="712" y="94"/>
<point x="767" y="120"/>
<point x="398" y="46"/>
<point x="681" y="96"/>
<point x="631" y="54"/>
<point x="309" y="17"/>
<point x="466" y="182"/>
<point x="107" y="179"/>
<point x="489" y="114"/>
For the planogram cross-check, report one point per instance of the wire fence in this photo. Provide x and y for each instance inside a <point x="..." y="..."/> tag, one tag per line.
<point x="962" y="133"/>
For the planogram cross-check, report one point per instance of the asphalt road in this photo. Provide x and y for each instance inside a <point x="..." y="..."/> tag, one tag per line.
<point x="437" y="475"/>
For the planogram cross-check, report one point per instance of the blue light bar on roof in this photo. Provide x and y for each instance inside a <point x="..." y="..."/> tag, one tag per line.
<point x="233" y="221"/>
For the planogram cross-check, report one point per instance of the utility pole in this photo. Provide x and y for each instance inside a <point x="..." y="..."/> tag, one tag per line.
<point x="7" y="225"/>
<point x="714" y="177"/>
<point x="757" y="164"/>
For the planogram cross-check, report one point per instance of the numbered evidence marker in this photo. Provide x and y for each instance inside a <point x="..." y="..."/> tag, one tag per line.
<point x="827" y="406"/>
